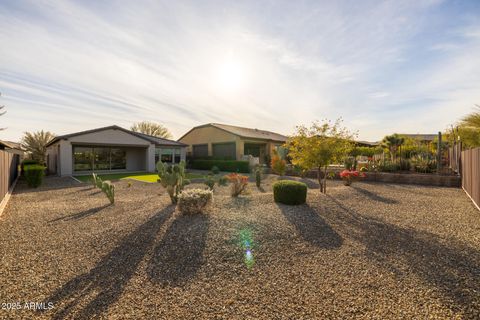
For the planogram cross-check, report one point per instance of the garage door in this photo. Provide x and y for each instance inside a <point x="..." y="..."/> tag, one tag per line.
<point x="224" y="151"/>
<point x="200" y="151"/>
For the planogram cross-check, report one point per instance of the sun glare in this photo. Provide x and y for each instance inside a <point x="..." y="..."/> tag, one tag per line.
<point x="230" y="75"/>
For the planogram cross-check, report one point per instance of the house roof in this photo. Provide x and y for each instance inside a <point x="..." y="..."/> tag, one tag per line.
<point x="419" y="136"/>
<point x="244" y="132"/>
<point x="11" y="145"/>
<point x="156" y="140"/>
<point x="367" y="143"/>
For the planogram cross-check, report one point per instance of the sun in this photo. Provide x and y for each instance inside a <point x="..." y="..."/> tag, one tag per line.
<point x="230" y="75"/>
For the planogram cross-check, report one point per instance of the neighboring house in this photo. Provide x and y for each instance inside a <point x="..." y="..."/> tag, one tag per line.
<point x="425" y="138"/>
<point x="230" y="142"/>
<point x="12" y="147"/>
<point x="110" y="149"/>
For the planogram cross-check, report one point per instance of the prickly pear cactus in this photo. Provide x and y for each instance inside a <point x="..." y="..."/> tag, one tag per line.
<point x="172" y="177"/>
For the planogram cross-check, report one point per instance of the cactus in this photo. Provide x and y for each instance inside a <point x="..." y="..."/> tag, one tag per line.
<point x="258" y="176"/>
<point x="97" y="181"/>
<point x="109" y="189"/>
<point x="172" y="177"/>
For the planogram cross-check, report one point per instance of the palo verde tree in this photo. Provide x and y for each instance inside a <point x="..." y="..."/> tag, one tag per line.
<point x="322" y="144"/>
<point x="152" y="129"/>
<point x="393" y="143"/>
<point x="35" y="143"/>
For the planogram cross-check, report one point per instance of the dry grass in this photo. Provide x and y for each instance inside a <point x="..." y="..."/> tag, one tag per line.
<point x="368" y="251"/>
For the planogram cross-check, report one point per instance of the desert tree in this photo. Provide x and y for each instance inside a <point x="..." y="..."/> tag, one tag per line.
<point x="318" y="146"/>
<point x="152" y="129"/>
<point x="35" y="144"/>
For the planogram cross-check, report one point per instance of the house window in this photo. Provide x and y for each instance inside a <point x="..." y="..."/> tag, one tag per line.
<point x="167" y="155"/>
<point x="224" y="151"/>
<point x="99" y="158"/>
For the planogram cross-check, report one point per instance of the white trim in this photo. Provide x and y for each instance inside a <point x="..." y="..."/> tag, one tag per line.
<point x="476" y="205"/>
<point x="5" y="199"/>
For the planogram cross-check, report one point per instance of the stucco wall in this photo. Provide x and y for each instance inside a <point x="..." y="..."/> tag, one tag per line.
<point x="209" y="135"/>
<point x="136" y="159"/>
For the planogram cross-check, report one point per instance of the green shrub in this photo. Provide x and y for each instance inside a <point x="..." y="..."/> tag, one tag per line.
<point x="34" y="174"/>
<point x="404" y="164"/>
<point x="209" y="182"/>
<point x="222" y="165"/>
<point x="290" y="192"/>
<point x="215" y="170"/>
<point x="27" y="162"/>
<point x="194" y="201"/>
<point x="388" y="166"/>
<point x="363" y="169"/>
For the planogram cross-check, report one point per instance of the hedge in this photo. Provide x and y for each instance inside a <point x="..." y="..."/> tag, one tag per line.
<point x="290" y="192"/>
<point x="34" y="174"/>
<point x="223" y="165"/>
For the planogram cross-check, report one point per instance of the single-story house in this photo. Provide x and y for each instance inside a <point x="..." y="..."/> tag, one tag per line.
<point x="231" y="142"/>
<point x="110" y="149"/>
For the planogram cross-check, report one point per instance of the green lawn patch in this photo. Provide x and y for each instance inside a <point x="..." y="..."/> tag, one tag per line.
<point x="141" y="176"/>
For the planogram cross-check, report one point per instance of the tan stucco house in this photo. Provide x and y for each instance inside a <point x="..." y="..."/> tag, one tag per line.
<point x="231" y="142"/>
<point x="110" y="149"/>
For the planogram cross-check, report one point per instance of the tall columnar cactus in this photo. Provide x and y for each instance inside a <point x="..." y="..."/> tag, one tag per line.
<point x="109" y="189"/>
<point x="172" y="177"/>
<point x="97" y="181"/>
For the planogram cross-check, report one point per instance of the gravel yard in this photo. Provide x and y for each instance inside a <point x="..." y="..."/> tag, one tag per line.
<point x="379" y="251"/>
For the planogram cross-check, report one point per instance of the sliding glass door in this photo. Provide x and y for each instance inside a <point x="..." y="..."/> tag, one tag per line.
<point x="99" y="158"/>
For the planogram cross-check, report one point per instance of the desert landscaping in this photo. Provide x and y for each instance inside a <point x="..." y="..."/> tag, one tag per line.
<point x="370" y="250"/>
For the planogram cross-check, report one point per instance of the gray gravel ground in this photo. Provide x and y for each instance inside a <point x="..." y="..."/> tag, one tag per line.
<point x="378" y="251"/>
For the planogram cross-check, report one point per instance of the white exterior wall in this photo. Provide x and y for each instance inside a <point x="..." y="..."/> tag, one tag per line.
<point x="136" y="159"/>
<point x="151" y="158"/>
<point x="140" y="154"/>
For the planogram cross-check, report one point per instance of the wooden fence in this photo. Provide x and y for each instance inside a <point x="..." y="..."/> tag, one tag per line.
<point x="8" y="171"/>
<point x="470" y="170"/>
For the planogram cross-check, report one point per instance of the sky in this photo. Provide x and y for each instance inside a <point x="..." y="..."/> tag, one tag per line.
<point x="407" y="66"/>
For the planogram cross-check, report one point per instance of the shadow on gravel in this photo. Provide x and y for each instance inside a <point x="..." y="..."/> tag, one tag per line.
<point x="453" y="268"/>
<point x="89" y="295"/>
<point x="178" y="257"/>
<point x="373" y="196"/>
<point x="311" y="226"/>
<point x="82" y="214"/>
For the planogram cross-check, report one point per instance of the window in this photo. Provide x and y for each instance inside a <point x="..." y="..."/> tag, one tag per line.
<point x="99" y="158"/>
<point x="167" y="155"/>
<point x="200" y="150"/>
<point x="224" y="151"/>
<point x="83" y="158"/>
<point x="118" y="158"/>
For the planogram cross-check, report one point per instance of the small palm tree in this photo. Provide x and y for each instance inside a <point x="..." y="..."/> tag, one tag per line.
<point x="393" y="143"/>
<point x="152" y="129"/>
<point x="35" y="143"/>
<point x="472" y="121"/>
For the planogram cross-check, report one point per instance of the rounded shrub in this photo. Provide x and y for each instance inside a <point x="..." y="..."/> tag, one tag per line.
<point x="194" y="201"/>
<point x="34" y="174"/>
<point x="290" y="192"/>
